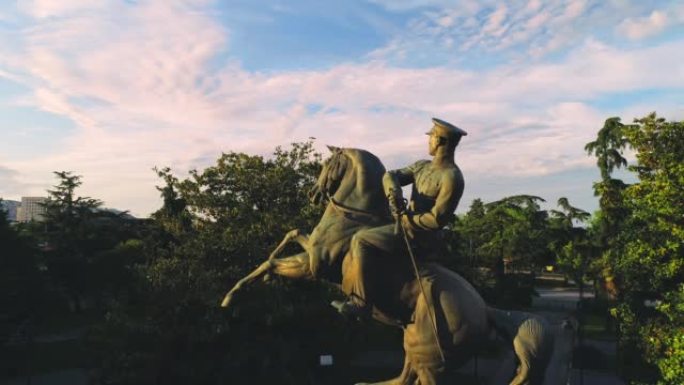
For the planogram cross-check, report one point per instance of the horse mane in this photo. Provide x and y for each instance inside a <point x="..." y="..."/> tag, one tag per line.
<point x="372" y="171"/>
<point x="371" y="168"/>
<point x="337" y="166"/>
<point x="358" y="175"/>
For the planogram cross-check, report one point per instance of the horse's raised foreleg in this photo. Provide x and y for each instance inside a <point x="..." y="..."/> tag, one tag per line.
<point x="271" y="266"/>
<point x="296" y="267"/>
<point x="292" y="235"/>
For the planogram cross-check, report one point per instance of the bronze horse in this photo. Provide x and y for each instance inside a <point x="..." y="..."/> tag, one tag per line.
<point x="351" y="183"/>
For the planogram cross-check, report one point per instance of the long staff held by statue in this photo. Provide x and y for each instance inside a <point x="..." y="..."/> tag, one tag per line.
<point x="399" y="227"/>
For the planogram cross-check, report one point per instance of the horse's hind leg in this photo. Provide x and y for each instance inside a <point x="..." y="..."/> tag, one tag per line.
<point x="296" y="266"/>
<point x="408" y="376"/>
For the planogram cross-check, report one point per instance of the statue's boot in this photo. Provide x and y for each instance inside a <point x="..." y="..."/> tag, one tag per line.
<point x="352" y="309"/>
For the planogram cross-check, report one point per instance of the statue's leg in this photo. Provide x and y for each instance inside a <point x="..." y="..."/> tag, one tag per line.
<point x="296" y="266"/>
<point x="367" y="249"/>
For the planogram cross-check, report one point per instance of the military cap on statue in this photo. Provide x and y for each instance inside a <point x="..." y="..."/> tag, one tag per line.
<point x="446" y="130"/>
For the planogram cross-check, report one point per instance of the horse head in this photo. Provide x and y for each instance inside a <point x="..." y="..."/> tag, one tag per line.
<point x="351" y="177"/>
<point x="330" y="177"/>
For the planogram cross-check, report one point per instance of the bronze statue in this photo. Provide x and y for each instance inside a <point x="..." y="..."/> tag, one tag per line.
<point x="356" y="246"/>
<point x="532" y="341"/>
<point x="437" y="189"/>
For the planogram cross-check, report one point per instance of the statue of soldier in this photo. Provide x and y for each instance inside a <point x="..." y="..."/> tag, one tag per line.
<point x="437" y="188"/>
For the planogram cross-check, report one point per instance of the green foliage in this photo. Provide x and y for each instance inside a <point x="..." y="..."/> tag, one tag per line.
<point x="215" y="227"/>
<point x="20" y="279"/>
<point x="572" y="244"/>
<point x="517" y="232"/>
<point x="512" y="230"/>
<point x="83" y="245"/>
<point x="643" y="235"/>
<point x="607" y="147"/>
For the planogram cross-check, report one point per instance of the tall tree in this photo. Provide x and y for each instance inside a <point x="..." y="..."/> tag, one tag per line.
<point x="642" y="235"/>
<point x="571" y="243"/>
<point x="653" y="244"/>
<point x="69" y="236"/>
<point x="608" y="149"/>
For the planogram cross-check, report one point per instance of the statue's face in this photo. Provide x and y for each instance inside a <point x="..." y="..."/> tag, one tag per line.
<point x="433" y="144"/>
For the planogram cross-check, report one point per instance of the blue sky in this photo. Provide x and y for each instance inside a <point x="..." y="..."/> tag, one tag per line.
<point x="110" y="89"/>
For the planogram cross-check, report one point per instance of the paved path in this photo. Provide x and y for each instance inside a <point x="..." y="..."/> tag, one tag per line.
<point x="562" y="298"/>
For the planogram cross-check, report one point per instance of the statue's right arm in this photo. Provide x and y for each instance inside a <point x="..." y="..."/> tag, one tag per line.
<point x="394" y="179"/>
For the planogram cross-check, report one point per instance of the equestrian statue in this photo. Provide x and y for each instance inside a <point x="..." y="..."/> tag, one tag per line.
<point x="379" y="248"/>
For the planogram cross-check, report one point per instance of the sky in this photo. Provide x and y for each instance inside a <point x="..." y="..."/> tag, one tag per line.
<point x="111" y="89"/>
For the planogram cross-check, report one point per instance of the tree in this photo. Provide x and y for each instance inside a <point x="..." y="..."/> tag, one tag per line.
<point x="21" y="282"/>
<point x="608" y="149"/>
<point x="571" y="244"/>
<point x="78" y="237"/>
<point x="653" y="248"/>
<point x="512" y="229"/>
<point x="520" y="227"/>
<point x="212" y="229"/>
<point x="642" y="235"/>
<point x="466" y="239"/>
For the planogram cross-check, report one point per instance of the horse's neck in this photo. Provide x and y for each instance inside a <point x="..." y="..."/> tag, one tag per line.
<point x="360" y="193"/>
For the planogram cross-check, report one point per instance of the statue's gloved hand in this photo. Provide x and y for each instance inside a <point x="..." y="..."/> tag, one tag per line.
<point x="396" y="202"/>
<point x="408" y="226"/>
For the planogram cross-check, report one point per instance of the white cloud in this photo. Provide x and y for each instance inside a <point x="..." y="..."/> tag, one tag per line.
<point x="403" y="5"/>
<point x="537" y="21"/>
<point x="533" y="5"/>
<point x="58" y="8"/>
<point x="140" y="83"/>
<point x="639" y="28"/>
<point x="521" y="29"/>
<point x="573" y="9"/>
<point x="495" y="22"/>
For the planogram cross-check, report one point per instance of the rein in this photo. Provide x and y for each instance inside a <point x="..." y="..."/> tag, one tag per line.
<point x="352" y="213"/>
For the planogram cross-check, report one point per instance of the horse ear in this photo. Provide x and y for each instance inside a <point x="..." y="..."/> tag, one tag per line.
<point x="334" y="149"/>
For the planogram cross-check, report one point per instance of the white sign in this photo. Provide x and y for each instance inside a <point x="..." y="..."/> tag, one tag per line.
<point x="326" y="360"/>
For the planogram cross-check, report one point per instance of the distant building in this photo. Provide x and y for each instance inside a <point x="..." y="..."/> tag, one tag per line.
<point x="31" y="209"/>
<point x="11" y="207"/>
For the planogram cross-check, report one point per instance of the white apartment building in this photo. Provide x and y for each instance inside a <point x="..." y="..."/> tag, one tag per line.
<point x="31" y="209"/>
